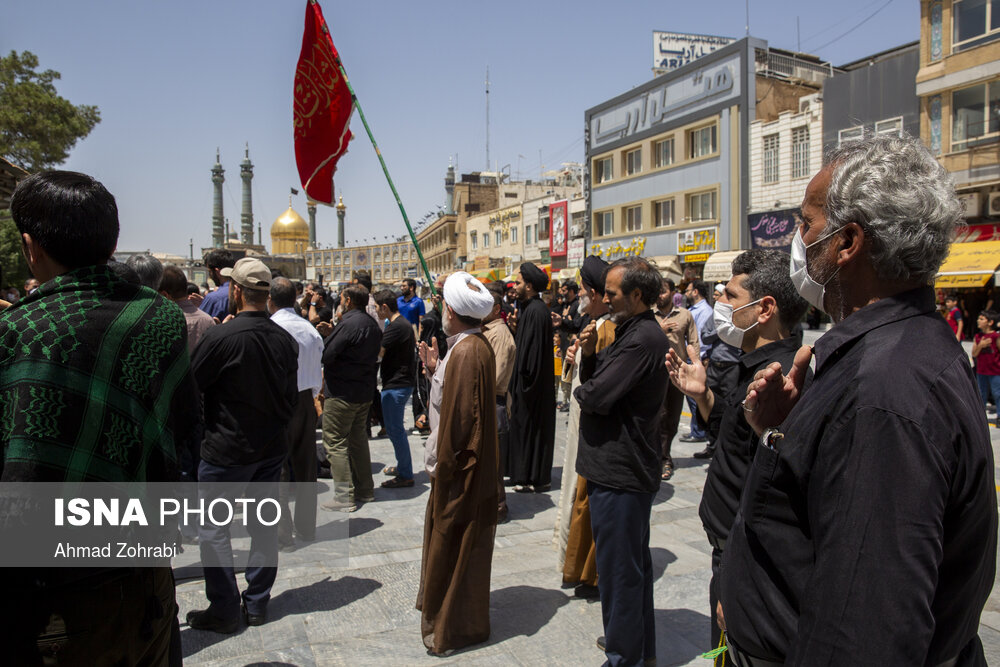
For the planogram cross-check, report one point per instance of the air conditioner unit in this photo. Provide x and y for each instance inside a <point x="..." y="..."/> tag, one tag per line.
<point x="971" y="203"/>
<point x="993" y="205"/>
<point x="808" y="102"/>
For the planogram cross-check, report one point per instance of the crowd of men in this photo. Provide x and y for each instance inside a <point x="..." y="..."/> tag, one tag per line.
<point x="849" y="505"/>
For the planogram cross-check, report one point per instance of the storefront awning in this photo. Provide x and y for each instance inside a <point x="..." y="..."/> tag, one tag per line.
<point x="969" y="264"/>
<point x="719" y="267"/>
<point x="668" y="265"/>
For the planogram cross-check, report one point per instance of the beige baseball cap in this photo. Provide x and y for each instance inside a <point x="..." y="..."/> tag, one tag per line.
<point x="249" y="273"/>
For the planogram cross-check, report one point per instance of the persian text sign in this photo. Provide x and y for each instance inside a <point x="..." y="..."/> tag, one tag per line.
<point x="708" y="85"/>
<point x="773" y="229"/>
<point x="672" y="50"/>
<point x="696" y="240"/>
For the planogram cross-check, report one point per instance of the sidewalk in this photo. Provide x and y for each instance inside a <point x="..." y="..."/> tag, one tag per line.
<point x="328" y="612"/>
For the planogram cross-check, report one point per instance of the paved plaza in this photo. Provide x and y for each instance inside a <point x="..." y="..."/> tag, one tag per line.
<point x="326" y="610"/>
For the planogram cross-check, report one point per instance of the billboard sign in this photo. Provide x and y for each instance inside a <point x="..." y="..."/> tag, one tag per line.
<point x="673" y="50"/>
<point x="559" y="227"/>
<point x="773" y="229"/>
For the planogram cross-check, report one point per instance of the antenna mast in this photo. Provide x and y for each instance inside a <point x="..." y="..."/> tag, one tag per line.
<point x="487" y="118"/>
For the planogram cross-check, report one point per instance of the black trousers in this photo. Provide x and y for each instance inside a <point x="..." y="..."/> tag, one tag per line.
<point x="300" y="468"/>
<point x="620" y="520"/>
<point x="670" y="418"/>
<point x="713" y="600"/>
<point x="503" y="442"/>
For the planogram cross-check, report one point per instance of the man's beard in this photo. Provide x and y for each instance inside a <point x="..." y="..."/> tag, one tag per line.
<point x="446" y="322"/>
<point x="584" y="303"/>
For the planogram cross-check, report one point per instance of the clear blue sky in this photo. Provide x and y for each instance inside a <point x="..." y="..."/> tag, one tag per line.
<point x="174" y="80"/>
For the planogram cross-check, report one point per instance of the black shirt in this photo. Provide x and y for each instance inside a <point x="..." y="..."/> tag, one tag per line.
<point x="869" y="536"/>
<point x="735" y="441"/>
<point x="246" y="370"/>
<point x="350" y="356"/>
<point x="620" y="400"/>
<point x="399" y="361"/>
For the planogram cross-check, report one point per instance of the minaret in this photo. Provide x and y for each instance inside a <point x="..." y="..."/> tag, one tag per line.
<point x="218" y="222"/>
<point x="449" y="187"/>
<point x="246" y="217"/>
<point x="341" y="214"/>
<point x="311" y="207"/>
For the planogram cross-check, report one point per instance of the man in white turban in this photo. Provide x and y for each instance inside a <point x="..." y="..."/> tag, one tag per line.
<point x="461" y="458"/>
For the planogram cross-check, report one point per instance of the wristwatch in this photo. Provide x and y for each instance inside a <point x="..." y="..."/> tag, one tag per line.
<point x="770" y="437"/>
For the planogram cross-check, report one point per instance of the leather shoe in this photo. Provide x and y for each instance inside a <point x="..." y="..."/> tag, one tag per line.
<point x="706" y="453"/>
<point x="692" y="438"/>
<point x="202" y="619"/>
<point x="252" y="619"/>
<point x="586" y="592"/>
<point x="646" y="662"/>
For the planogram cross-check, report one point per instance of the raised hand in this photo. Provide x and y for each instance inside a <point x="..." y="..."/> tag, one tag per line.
<point x="429" y="355"/>
<point x="771" y="395"/>
<point x="571" y="353"/>
<point x="691" y="379"/>
<point x="588" y="339"/>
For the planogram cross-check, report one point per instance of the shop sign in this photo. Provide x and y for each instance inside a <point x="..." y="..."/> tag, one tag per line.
<point x="973" y="233"/>
<point x="504" y="217"/>
<point x="616" y="250"/>
<point x="773" y="229"/>
<point x="672" y="50"/>
<point x="696" y="240"/>
<point x="481" y="262"/>
<point x="700" y="258"/>
<point x="574" y="256"/>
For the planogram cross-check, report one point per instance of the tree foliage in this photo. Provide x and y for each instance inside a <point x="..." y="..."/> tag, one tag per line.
<point x="38" y="128"/>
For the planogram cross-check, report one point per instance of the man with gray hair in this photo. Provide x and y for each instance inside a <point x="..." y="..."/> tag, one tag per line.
<point x="149" y="268"/>
<point x="867" y="528"/>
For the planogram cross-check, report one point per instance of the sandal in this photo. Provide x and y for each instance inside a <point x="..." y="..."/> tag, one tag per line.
<point x="397" y="483"/>
<point x="391" y="471"/>
<point x="668" y="470"/>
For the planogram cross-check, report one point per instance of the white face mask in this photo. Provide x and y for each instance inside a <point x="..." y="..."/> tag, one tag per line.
<point x="723" y="319"/>
<point x="808" y="289"/>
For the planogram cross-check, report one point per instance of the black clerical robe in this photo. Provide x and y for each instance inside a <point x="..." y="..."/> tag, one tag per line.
<point x="533" y="397"/>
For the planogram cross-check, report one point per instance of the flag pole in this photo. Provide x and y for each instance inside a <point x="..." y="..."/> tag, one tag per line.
<point x="385" y="170"/>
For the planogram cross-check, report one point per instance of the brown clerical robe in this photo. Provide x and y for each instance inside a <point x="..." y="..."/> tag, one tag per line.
<point x="461" y="518"/>
<point x="580" y="564"/>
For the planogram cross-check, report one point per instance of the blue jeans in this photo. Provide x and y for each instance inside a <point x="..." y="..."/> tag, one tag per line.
<point x="620" y="520"/>
<point x="217" y="550"/>
<point x="695" y="431"/>
<point x="393" y="406"/>
<point x="989" y="384"/>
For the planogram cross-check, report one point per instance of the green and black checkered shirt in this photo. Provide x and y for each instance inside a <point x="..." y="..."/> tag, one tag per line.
<point x="95" y="383"/>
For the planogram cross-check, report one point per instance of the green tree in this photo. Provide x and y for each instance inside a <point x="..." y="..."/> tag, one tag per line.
<point x="38" y="128"/>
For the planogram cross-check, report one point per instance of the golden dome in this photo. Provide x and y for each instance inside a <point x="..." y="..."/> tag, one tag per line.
<point x="290" y="225"/>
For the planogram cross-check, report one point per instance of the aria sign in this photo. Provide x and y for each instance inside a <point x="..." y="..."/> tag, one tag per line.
<point x="672" y="50"/>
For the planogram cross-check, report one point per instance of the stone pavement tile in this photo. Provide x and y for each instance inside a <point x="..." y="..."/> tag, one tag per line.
<point x="298" y="656"/>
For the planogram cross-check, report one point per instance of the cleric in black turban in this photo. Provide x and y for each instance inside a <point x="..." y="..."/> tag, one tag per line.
<point x="534" y="276"/>
<point x="592" y="273"/>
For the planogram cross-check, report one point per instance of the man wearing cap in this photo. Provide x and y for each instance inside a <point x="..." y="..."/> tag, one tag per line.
<point x="246" y="371"/>
<point x="533" y="395"/>
<point x="461" y="457"/>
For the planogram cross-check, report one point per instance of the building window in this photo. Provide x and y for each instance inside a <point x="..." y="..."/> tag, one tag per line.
<point x="529" y="234"/>
<point x="702" y="142"/>
<point x="475" y="240"/>
<point x="800" y="152"/>
<point x="497" y="238"/>
<point x="850" y="134"/>
<point x="513" y="234"/>
<point x="663" y="213"/>
<point x="633" y="218"/>
<point x="890" y="126"/>
<point x="604" y="223"/>
<point x="543" y="226"/>
<point x="632" y="162"/>
<point x="602" y="170"/>
<point x="486" y="240"/>
<point x="663" y="152"/>
<point x="701" y="206"/>
<point x="770" y="152"/>
<point x="309" y="260"/>
<point x="975" y="115"/>
<point x="973" y="19"/>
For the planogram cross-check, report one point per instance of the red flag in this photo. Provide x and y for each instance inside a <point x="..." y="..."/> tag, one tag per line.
<point x="322" y="109"/>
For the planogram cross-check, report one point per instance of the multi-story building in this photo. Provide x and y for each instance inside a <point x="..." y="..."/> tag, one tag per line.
<point x="785" y="153"/>
<point x="439" y="243"/>
<point x="386" y="262"/>
<point x="958" y="84"/>
<point x="668" y="163"/>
